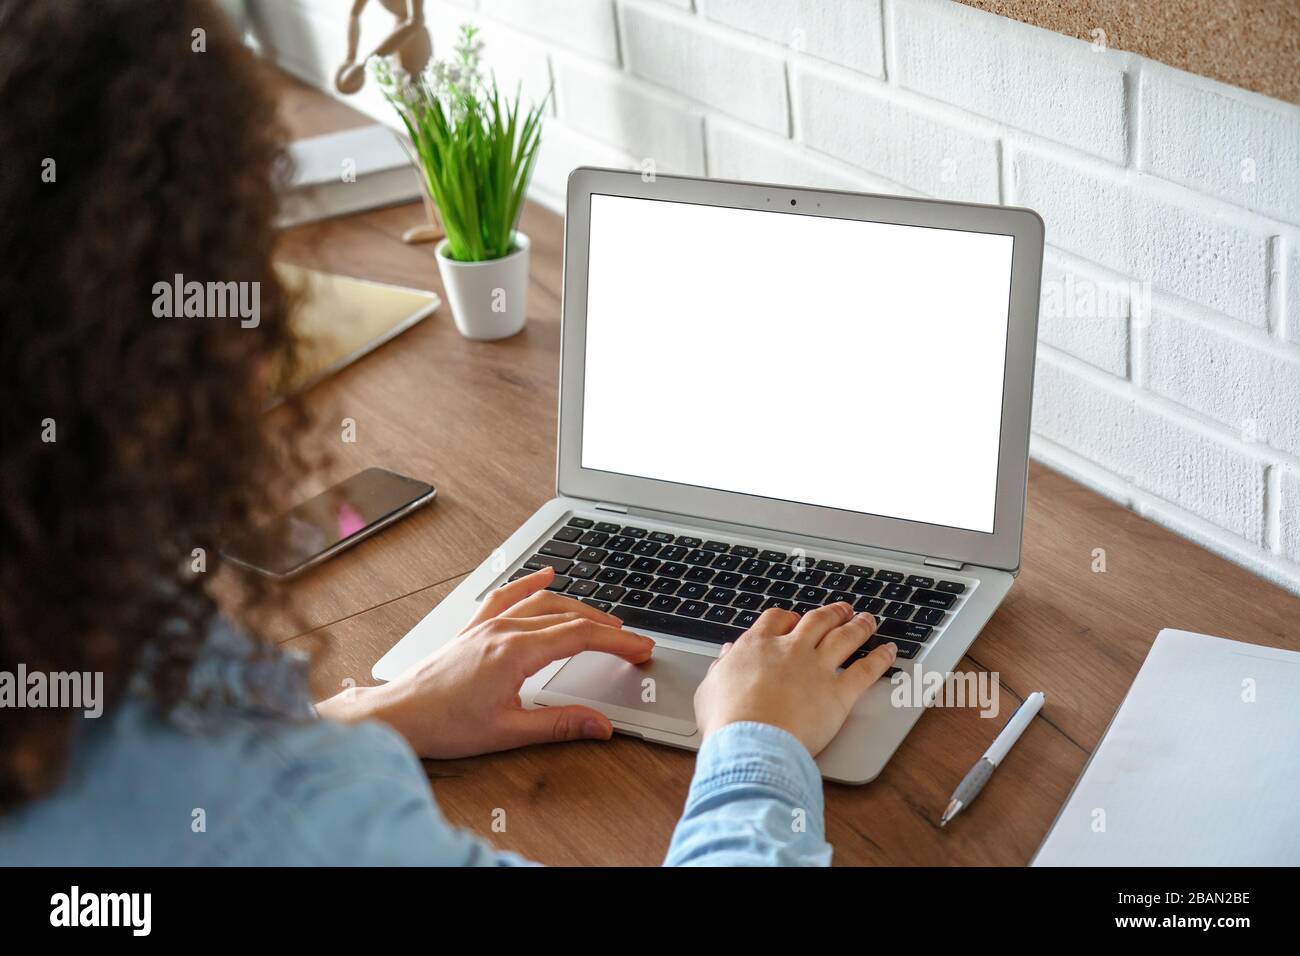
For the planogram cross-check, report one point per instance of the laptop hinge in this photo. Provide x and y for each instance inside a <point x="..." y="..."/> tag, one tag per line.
<point x="612" y="509"/>
<point x="944" y="563"/>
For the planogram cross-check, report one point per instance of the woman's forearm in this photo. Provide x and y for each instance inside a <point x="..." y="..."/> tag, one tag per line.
<point x="756" y="800"/>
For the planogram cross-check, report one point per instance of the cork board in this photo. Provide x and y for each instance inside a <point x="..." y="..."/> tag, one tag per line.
<point x="1254" y="44"/>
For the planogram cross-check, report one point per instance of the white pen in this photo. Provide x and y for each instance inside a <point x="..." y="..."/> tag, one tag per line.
<point x="979" y="774"/>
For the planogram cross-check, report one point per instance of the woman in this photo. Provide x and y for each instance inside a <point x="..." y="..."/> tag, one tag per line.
<point x="137" y="149"/>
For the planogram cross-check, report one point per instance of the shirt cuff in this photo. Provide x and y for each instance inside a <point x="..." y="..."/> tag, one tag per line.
<point x="750" y="754"/>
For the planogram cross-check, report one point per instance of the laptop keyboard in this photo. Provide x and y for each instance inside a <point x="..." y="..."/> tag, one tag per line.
<point x="713" y="590"/>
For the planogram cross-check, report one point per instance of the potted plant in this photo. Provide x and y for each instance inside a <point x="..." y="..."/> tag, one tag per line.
<point x="476" y="151"/>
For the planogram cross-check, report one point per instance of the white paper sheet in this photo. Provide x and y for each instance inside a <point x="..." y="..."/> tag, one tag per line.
<point x="1200" y="765"/>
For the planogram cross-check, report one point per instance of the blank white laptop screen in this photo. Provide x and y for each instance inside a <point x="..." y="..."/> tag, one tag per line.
<point x="853" y="365"/>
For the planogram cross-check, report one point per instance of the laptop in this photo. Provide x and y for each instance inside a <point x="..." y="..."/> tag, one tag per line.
<point x="776" y="397"/>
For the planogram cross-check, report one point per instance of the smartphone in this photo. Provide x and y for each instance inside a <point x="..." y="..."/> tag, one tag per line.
<point x="323" y="526"/>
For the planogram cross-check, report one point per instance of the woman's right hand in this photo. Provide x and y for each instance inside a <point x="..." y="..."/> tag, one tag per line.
<point x="784" y="671"/>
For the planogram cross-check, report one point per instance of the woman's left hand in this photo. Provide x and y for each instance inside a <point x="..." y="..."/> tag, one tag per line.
<point x="465" y="700"/>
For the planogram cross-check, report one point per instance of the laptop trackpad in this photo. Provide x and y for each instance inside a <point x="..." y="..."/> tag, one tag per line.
<point x="658" y="694"/>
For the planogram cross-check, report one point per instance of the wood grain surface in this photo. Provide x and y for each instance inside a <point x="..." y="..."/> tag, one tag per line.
<point x="479" y="420"/>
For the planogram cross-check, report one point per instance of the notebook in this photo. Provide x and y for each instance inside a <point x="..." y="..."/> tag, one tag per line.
<point x="346" y="172"/>
<point x="1200" y="765"/>
<point x="339" y="319"/>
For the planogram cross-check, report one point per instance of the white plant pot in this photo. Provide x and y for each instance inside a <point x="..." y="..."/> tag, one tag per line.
<point x="489" y="300"/>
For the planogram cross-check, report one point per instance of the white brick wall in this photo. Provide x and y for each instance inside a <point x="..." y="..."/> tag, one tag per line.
<point x="1169" y="360"/>
<point x="1241" y="147"/>
<point x="952" y="53"/>
<point x="1087" y="311"/>
<point x="1127" y="223"/>
<point x="1235" y="379"/>
<point x="846" y="32"/>
<point x="1287" y="314"/>
<point x="1290" y="529"/>
<point x="630" y="114"/>
<point x="739" y="152"/>
<point x="586" y="26"/>
<point x="864" y="123"/>
<point x="712" y="66"/>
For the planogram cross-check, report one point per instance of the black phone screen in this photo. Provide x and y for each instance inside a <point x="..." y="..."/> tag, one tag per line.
<point x="347" y="510"/>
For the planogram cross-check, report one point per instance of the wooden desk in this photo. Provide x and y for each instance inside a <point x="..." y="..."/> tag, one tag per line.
<point x="479" y="420"/>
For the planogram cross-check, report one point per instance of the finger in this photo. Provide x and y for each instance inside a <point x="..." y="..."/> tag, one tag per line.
<point x="861" y="674"/>
<point x="539" y="622"/>
<point x="847" y="638"/>
<point x="721" y="654"/>
<point x="508" y="595"/>
<point x="774" y="621"/>
<point x="548" y="602"/>
<point x="554" y="724"/>
<point x="573" y="637"/>
<point x="816" y="624"/>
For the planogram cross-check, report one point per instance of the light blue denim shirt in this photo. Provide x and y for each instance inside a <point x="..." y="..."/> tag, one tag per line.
<point x="247" y="775"/>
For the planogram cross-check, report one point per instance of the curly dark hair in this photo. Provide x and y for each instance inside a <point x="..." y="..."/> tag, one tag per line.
<point x="130" y="156"/>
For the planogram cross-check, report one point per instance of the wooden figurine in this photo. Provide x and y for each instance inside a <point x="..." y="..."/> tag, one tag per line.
<point x="411" y="44"/>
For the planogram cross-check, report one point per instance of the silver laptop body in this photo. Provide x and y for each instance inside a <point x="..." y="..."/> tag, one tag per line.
<point x="839" y="379"/>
